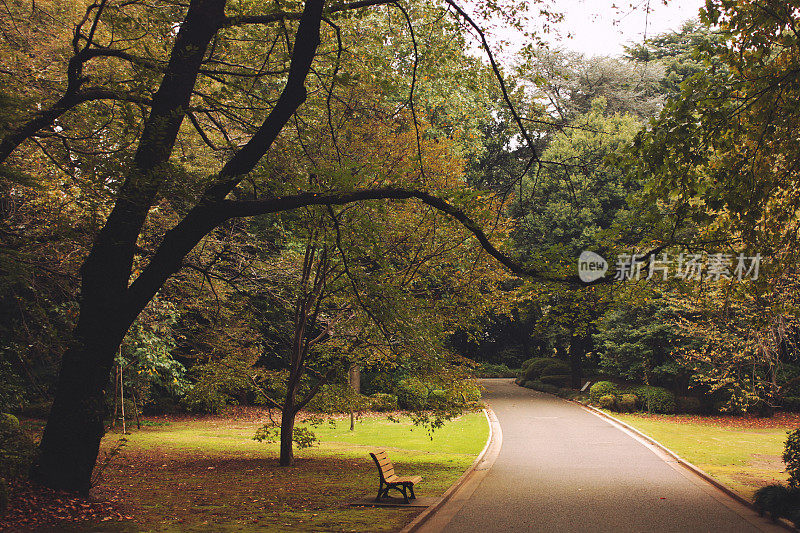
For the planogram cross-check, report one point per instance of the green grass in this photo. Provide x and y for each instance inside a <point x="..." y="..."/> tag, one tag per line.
<point x="741" y="458"/>
<point x="200" y="475"/>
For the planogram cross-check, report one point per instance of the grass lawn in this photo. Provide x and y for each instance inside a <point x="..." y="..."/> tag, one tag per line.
<point x="210" y="475"/>
<point x="742" y="453"/>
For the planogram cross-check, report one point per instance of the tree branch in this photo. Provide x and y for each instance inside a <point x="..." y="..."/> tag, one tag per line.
<point x="293" y="95"/>
<point x="275" y="17"/>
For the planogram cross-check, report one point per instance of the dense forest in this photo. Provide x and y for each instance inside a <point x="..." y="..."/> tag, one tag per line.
<point x="210" y="203"/>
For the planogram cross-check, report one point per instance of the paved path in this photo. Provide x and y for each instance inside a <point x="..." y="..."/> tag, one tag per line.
<point x="564" y="469"/>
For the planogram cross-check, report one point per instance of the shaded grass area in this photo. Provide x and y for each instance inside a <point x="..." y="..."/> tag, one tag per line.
<point x="743" y="454"/>
<point x="210" y="475"/>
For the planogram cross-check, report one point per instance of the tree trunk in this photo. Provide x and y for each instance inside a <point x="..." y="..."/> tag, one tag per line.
<point x="71" y="439"/>
<point x="288" y="414"/>
<point x="287" y="432"/>
<point x="577" y="349"/>
<point x="354" y="377"/>
<point x="74" y="428"/>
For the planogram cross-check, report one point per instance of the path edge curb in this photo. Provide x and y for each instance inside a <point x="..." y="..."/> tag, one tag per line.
<point x="422" y="517"/>
<point x="683" y="462"/>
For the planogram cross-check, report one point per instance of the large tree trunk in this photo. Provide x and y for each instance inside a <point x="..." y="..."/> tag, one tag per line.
<point x="71" y="439"/>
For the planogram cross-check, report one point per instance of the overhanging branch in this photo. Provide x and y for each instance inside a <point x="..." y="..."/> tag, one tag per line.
<point x="234" y="209"/>
<point x="269" y="18"/>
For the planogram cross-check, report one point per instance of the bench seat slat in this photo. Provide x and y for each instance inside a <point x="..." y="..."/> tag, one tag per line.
<point x="407" y="479"/>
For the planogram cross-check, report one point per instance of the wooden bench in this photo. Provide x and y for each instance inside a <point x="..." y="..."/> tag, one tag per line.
<point x="389" y="480"/>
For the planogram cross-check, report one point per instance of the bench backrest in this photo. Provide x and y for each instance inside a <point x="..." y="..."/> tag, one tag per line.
<point x="384" y="465"/>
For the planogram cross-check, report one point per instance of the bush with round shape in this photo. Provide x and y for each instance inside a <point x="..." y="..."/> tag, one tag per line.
<point x="559" y="380"/>
<point x="528" y="362"/>
<point x="542" y="387"/>
<point x="608" y="401"/>
<point x="660" y="400"/>
<point x="555" y="368"/>
<point x="601" y="388"/>
<point x="535" y="368"/>
<point x="627" y="403"/>
<point x="532" y="368"/>
<point x="412" y="394"/>
<point x="794" y="512"/>
<point x="656" y="399"/>
<point x="380" y="401"/>
<point x="791" y="457"/>
<point x="17" y="449"/>
<point x="688" y="404"/>
<point x="773" y="499"/>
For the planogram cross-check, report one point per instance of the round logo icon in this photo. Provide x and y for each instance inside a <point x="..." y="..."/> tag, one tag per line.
<point x="591" y="266"/>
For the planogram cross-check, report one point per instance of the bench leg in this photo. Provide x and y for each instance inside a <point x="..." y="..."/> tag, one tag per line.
<point x="405" y="493"/>
<point x="380" y="491"/>
<point x="411" y="487"/>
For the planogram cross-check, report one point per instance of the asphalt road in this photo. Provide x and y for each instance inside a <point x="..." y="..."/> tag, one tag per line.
<point x="562" y="469"/>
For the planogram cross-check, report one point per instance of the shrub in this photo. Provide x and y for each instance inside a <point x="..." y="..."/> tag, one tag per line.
<point x="656" y="399"/>
<point x="437" y="399"/>
<point x="762" y="408"/>
<point x="555" y="368"/>
<point x="489" y="370"/>
<point x="13" y="393"/>
<point x="160" y="405"/>
<point x="688" y="404"/>
<point x="627" y="403"/>
<point x="3" y="496"/>
<point x="542" y="387"/>
<point x="791" y="403"/>
<point x="412" y="394"/>
<point x="601" y="388"/>
<point x="337" y="398"/>
<point x="204" y="400"/>
<point x="791" y="456"/>
<point x="534" y="369"/>
<point x="559" y="380"/>
<point x="16" y="448"/>
<point x="661" y="401"/>
<point x="380" y="401"/>
<point x="773" y="499"/>
<point x="528" y="362"/>
<point x="608" y="401"/>
<point x="463" y="392"/>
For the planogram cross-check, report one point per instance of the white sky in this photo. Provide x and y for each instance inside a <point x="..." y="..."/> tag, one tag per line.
<point x="602" y="27"/>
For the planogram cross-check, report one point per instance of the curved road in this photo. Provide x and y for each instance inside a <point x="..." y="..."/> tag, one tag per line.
<point x="562" y="469"/>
